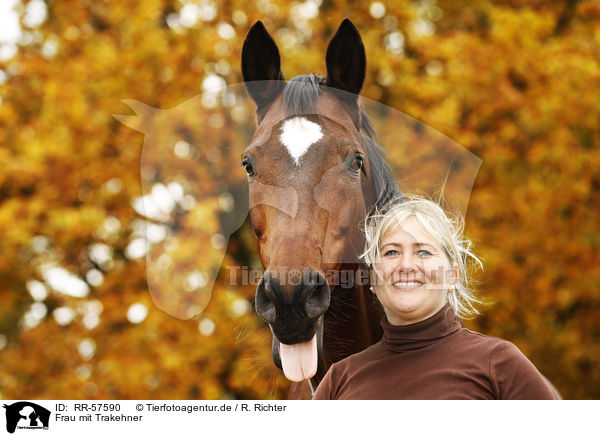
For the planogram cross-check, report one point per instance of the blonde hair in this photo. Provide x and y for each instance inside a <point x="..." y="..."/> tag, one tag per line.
<point x="447" y="231"/>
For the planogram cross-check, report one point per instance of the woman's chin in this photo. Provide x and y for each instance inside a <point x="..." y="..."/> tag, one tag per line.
<point x="406" y="303"/>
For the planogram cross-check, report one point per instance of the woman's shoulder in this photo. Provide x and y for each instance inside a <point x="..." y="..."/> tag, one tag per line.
<point x="480" y="342"/>
<point x="513" y="375"/>
<point x="489" y="350"/>
<point x="367" y="355"/>
<point x="360" y="362"/>
<point x="339" y="373"/>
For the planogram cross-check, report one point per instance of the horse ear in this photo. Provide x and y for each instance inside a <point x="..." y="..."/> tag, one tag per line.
<point x="261" y="62"/>
<point x="142" y="117"/>
<point x="346" y="60"/>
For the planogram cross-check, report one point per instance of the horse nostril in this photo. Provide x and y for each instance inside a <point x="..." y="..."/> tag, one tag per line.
<point x="265" y="306"/>
<point x="318" y="299"/>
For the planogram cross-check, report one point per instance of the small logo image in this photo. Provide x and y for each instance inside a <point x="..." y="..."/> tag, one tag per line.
<point x="26" y="415"/>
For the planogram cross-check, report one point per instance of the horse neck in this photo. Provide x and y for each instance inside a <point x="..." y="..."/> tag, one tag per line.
<point x="351" y="324"/>
<point x="352" y="320"/>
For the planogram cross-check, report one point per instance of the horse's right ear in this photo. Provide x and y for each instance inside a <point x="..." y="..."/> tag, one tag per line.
<point x="261" y="62"/>
<point x="346" y="60"/>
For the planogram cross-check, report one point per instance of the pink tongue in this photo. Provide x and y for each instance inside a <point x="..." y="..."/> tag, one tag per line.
<point x="299" y="361"/>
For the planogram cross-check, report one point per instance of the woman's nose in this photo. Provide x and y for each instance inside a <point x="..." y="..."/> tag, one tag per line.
<point x="407" y="262"/>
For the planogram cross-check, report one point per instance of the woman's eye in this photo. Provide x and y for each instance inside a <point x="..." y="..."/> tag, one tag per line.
<point x="390" y="253"/>
<point x="423" y="253"/>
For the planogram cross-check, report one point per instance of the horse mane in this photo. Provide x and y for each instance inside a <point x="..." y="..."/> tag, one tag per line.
<point x="384" y="182"/>
<point x="300" y="96"/>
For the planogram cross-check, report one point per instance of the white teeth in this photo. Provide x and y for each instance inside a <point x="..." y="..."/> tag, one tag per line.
<point x="407" y="284"/>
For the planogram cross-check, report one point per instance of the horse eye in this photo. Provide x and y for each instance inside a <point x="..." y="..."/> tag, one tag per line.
<point x="249" y="168"/>
<point x="357" y="163"/>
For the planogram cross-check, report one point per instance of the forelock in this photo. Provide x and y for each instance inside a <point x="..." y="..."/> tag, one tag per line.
<point x="301" y="94"/>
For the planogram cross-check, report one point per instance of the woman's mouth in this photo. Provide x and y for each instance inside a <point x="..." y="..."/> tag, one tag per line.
<point x="407" y="286"/>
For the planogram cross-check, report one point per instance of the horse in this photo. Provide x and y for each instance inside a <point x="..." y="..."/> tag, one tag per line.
<point x="312" y="140"/>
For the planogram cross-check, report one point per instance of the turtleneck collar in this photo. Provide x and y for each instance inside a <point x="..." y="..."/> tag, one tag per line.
<point x="401" y="338"/>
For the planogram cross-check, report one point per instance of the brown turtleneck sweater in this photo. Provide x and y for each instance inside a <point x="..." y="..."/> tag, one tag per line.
<point x="435" y="359"/>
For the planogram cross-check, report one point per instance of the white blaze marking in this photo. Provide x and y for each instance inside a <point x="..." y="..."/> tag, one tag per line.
<point x="298" y="134"/>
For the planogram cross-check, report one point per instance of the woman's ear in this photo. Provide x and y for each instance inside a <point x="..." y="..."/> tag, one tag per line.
<point x="455" y="274"/>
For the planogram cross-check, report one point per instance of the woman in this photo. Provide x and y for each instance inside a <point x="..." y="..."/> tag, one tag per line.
<point x="420" y="259"/>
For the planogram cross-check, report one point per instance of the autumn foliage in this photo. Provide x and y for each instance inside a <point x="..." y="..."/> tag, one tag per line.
<point x="515" y="83"/>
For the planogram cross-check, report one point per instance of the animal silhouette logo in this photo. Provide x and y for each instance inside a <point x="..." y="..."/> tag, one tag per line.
<point x="26" y="415"/>
<point x="196" y="190"/>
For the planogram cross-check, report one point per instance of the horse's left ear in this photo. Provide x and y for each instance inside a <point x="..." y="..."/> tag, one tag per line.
<point x="346" y="60"/>
<point x="261" y="64"/>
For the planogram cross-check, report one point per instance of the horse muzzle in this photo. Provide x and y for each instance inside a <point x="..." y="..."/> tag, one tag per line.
<point x="301" y="360"/>
<point x="294" y="311"/>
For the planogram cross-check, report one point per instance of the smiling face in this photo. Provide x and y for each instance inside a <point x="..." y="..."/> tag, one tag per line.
<point x="415" y="274"/>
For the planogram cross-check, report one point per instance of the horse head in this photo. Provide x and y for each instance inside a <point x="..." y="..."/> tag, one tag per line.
<point x="308" y="143"/>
